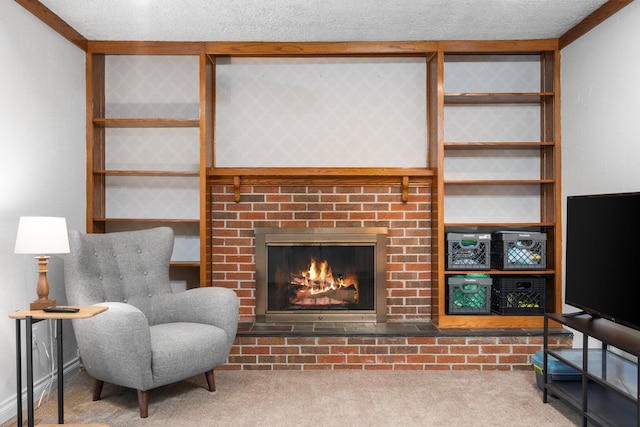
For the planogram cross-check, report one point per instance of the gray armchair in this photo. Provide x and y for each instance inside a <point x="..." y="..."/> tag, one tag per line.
<point x="149" y="336"/>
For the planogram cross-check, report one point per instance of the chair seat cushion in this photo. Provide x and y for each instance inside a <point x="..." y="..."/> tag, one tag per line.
<point x="182" y="350"/>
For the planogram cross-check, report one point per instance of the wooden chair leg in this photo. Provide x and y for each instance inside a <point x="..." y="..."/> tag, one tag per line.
<point x="143" y="402"/>
<point x="211" y="382"/>
<point x="97" y="389"/>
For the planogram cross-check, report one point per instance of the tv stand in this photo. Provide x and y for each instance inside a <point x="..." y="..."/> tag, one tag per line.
<point x="608" y="392"/>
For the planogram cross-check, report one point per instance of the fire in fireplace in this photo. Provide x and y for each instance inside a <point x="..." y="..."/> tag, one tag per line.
<point x="321" y="274"/>
<point x="318" y="288"/>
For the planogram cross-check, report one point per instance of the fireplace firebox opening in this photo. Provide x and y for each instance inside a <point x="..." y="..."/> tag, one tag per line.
<point x="321" y="274"/>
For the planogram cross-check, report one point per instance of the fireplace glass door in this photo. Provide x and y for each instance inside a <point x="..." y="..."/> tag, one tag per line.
<point x="316" y="274"/>
<point x="331" y="277"/>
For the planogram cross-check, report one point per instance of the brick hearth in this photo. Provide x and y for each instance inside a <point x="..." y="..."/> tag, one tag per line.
<point x="386" y="346"/>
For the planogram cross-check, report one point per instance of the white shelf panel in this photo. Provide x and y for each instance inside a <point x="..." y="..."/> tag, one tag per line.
<point x="186" y="249"/>
<point x="492" y="203"/>
<point x="492" y="123"/>
<point x="152" y="86"/>
<point x="153" y="149"/>
<point x="152" y="197"/>
<point x="492" y="164"/>
<point x="492" y="73"/>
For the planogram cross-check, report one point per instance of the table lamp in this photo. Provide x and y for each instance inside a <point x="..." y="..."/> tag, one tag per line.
<point x="42" y="236"/>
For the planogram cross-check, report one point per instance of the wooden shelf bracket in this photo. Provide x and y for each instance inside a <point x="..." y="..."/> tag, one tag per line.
<point x="236" y="188"/>
<point x="405" y="189"/>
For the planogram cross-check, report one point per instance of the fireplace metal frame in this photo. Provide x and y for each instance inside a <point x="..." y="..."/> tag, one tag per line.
<point x="375" y="236"/>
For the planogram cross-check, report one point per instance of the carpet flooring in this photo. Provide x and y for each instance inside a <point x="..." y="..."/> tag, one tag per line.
<point x="321" y="398"/>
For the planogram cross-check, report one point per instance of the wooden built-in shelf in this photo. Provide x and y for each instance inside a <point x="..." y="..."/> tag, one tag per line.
<point x="320" y="172"/>
<point x="146" y="123"/>
<point x="543" y="94"/>
<point x="150" y="220"/>
<point x="502" y="272"/>
<point x="491" y="321"/>
<point x="498" y="181"/>
<point x="321" y="176"/>
<point x="545" y="98"/>
<point x="293" y="49"/>
<point x="496" y="144"/>
<point x="140" y="172"/>
<point x="425" y="181"/>
<point x="479" y="225"/>
<point x="496" y="98"/>
<point x="185" y="264"/>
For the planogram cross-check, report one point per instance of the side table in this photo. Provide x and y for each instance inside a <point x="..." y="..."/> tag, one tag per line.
<point x="35" y="316"/>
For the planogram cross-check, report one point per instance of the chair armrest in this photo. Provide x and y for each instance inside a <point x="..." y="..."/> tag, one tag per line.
<point x="115" y="346"/>
<point x="211" y="305"/>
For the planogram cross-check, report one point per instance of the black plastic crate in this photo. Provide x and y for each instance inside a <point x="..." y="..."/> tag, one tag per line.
<point x="468" y="251"/>
<point x="469" y="295"/>
<point x="518" y="295"/>
<point x="514" y="250"/>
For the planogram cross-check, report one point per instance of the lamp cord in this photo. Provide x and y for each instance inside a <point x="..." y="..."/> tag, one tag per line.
<point x="47" y="388"/>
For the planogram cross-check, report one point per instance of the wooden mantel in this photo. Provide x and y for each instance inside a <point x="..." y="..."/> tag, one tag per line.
<point x="321" y="176"/>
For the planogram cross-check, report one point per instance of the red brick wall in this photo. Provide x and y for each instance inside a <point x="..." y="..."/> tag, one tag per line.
<point x="409" y="227"/>
<point x="388" y="353"/>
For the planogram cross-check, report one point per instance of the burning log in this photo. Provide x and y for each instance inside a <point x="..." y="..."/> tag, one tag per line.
<point x="318" y="287"/>
<point x="315" y="283"/>
<point x="340" y="296"/>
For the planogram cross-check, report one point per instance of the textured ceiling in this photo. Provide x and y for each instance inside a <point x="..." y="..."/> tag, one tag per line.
<point x="321" y="20"/>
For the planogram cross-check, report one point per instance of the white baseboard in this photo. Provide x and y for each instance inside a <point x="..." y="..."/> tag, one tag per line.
<point x="8" y="408"/>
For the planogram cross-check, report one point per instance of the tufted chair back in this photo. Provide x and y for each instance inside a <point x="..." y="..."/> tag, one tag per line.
<point x="120" y="267"/>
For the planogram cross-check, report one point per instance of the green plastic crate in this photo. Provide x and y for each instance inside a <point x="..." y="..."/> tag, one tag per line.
<point x="469" y="295"/>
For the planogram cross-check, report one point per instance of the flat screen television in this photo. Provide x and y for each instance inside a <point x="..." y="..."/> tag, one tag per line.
<point x="603" y="256"/>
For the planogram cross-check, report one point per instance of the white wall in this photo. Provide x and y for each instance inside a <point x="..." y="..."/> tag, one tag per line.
<point x="601" y="109"/>
<point x="42" y="168"/>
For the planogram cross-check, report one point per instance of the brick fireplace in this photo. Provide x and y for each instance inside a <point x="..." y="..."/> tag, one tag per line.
<point x="408" y="266"/>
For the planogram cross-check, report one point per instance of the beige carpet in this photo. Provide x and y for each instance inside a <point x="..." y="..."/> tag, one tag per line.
<point x="322" y="398"/>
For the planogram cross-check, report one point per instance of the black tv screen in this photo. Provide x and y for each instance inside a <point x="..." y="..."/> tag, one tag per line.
<point x="603" y="255"/>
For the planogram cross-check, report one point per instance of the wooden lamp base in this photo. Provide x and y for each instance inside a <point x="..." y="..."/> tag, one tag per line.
<point x="43" y="286"/>
<point x="40" y="304"/>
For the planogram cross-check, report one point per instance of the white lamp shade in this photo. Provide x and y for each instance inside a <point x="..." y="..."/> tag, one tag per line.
<point x="42" y="235"/>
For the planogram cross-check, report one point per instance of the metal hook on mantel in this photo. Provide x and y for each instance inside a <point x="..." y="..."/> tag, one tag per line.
<point x="405" y="189"/>
<point x="236" y="189"/>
